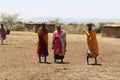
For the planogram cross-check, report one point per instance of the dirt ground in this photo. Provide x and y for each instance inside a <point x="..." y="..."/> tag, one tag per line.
<point x="18" y="59"/>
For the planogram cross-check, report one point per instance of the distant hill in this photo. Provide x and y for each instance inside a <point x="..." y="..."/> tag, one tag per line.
<point x="72" y="20"/>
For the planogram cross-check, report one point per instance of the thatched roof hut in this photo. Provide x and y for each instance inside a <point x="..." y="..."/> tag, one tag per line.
<point x="34" y="27"/>
<point x="111" y="31"/>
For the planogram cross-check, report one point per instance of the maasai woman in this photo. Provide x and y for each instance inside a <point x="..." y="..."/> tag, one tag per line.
<point x="93" y="50"/>
<point x="2" y="34"/>
<point x="59" y="43"/>
<point x="42" y="49"/>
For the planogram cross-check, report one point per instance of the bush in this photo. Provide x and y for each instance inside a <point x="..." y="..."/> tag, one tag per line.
<point x="73" y="24"/>
<point x="74" y="30"/>
<point x="18" y="27"/>
<point x="98" y="29"/>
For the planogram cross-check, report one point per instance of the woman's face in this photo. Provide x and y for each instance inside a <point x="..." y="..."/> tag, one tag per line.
<point x="58" y="28"/>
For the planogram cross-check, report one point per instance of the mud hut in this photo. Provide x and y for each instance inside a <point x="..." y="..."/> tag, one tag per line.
<point x="34" y="27"/>
<point x="111" y="31"/>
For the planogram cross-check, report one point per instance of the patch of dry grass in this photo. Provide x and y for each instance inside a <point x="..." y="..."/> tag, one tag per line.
<point x="18" y="59"/>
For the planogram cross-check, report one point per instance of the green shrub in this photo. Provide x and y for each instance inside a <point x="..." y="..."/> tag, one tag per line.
<point x="18" y="27"/>
<point x="73" y="24"/>
<point x="98" y="29"/>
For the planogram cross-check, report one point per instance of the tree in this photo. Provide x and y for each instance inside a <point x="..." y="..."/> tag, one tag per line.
<point x="55" y="21"/>
<point x="73" y="24"/>
<point x="9" y="20"/>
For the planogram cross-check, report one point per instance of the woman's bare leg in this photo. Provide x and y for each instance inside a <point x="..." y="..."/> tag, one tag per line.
<point x="45" y="59"/>
<point x="61" y="60"/>
<point x="39" y="58"/>
<point x="95" y="60"/>
<point x="87" y="60"/>
<point x="1" y="42"/>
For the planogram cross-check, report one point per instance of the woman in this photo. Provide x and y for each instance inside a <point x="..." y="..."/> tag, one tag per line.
<point x="2" y="34"/>
<point x="42" y="49"/>
<point x="93" y="50"/>
<point x="59" y="43"/>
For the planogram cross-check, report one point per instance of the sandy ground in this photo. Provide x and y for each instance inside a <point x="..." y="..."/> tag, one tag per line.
<point x="18" y="59"/>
